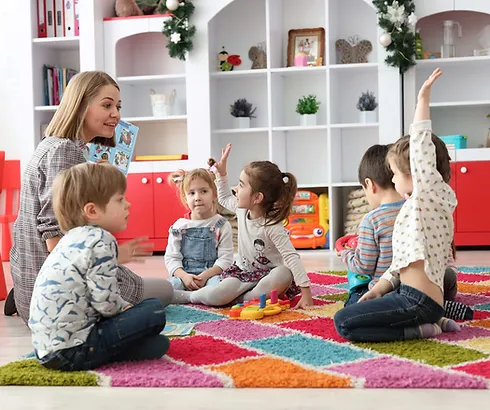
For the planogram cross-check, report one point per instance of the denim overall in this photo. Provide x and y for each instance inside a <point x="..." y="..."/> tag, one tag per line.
<point x="199" y="252"/>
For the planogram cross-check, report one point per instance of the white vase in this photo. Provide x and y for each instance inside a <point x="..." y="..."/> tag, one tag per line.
<point x="368" y="116"/>
<point x="242" y="122"/>
<point x="307" y="120"/>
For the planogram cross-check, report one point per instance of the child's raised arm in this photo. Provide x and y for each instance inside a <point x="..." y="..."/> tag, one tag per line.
<point x="225" y="196"/>
<point x="423" y="161"/>
<point x="422" y="112"/>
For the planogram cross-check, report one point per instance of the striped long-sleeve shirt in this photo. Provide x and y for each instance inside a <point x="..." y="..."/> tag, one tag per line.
<point x="373" y="254"/>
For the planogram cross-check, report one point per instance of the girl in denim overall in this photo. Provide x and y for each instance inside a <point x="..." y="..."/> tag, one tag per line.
<point x="200" y="245"/>
<point x="266" y="258"/>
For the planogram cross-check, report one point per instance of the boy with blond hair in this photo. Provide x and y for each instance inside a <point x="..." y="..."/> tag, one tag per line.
<point x="78" y="319"/>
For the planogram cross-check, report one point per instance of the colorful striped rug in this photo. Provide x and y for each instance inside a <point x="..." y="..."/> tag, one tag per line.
<point x="297" y="349"/>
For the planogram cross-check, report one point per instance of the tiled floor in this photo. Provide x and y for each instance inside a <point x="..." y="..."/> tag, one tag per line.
<point x="15" y="341"/>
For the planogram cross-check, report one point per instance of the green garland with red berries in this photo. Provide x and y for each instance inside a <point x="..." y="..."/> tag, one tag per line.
<point x="397" y="18"/>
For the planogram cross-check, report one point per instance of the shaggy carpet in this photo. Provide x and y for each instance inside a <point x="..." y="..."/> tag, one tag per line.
<point x="297" y="349"/>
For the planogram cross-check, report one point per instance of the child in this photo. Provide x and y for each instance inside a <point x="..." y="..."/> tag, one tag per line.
<point x="88" y="113"/>
<point x="78" y="319"/>
<point x="200" y="246"/>
<point x="372" y="256"/>
<point x="422" y="239"/>
<point x="266" y="258"/>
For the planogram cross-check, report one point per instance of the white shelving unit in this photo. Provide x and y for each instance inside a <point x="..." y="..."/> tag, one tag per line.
<point x="324" y="157"/>
<point x="461" y="98"/>
<point x="56" y="51"/>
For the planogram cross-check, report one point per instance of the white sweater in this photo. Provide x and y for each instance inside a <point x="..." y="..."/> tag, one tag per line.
<point x="261" y="246"/>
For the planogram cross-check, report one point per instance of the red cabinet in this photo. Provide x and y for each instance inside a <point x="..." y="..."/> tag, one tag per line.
<point x="472" y="185"/>
<point x="155" y="206"/>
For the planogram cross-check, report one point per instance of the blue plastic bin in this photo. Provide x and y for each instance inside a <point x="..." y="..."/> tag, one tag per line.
<point x="459" y="141"/>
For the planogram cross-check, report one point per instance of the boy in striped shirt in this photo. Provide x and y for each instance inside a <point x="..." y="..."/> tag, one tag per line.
<point x="373" y="254"/>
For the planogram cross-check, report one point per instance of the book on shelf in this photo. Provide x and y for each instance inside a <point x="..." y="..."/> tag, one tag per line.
<point x="121" y="155"/>
<point x="55" y="81"/>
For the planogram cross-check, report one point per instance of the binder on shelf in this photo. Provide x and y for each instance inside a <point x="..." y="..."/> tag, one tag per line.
<point x="77" y="18"/>
<point x="41" y="19"/>
<point x="59" y="10"/>
<point x="50" y="19"/>
<point x="69" y="18"/>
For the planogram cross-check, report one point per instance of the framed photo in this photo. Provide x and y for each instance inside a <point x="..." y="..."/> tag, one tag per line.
<point x="309" y="42"/>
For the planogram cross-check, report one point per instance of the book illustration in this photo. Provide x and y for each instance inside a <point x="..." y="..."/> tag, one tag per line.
<point x="121" y="160"/>
<point x="120" y="155"/>
<point x="126" y="138"/>
<point x="178" y="329"/>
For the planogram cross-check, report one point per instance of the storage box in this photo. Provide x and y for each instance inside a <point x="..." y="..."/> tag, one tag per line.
<point x="454" y="141"/>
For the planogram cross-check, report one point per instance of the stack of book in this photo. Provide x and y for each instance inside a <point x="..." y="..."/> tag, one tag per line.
<point x="55" y="81"/>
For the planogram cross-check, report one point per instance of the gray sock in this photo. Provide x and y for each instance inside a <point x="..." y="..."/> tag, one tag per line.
<point x="181" y="297"/>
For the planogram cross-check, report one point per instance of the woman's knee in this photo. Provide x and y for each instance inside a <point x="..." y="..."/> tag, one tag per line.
<point x="160" y="289"/>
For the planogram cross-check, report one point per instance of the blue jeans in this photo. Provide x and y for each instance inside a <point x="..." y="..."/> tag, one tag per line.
<point x="395" y="316"/>
<point x="131" y="335"/>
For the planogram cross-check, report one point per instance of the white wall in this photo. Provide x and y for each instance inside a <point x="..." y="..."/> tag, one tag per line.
<point x="15" y="81"/>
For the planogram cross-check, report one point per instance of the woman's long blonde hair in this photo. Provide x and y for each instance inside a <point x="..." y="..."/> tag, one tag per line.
<point x="68" y="119"/>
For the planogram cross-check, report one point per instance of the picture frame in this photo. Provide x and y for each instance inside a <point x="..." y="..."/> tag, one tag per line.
<point x="309" y="41"/>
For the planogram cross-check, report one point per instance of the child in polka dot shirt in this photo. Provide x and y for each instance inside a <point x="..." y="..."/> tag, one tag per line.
<point x="422" y="239"/>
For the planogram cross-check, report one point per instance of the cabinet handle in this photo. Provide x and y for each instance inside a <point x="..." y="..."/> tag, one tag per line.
<point x="144" y="180"/>
<point x="159" y="180"/>
<point x="464" y="170"/>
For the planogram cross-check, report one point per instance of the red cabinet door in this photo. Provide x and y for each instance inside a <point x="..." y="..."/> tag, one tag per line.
<point x="140" y="195"/>
<point x="453" y="185"/>
<point x="473" y="192"/>
<point x="167" y="205"/>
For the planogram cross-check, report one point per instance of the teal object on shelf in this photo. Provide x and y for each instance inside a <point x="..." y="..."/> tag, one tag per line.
<point x="458" y="141"/>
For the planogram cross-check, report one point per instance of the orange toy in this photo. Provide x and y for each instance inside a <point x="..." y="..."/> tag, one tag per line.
<point x="304" y="225"/>
<point x="257" y="309"/>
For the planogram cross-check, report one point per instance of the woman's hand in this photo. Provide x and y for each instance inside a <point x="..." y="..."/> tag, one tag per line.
<point x="131" y="250"/>
<point x="221" y="165"/>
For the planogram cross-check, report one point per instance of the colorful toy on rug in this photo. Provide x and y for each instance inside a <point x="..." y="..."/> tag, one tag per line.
<point x="355" y="280"/>
<point x="257" y="309"/>
<point x="304" y="226"/>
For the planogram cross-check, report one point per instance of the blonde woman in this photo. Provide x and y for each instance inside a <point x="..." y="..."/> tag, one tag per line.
<point x="89" y="112"/>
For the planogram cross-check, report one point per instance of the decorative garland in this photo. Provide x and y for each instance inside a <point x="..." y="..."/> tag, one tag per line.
<point x="397" y="18"/>
<point x="177" y="29"/>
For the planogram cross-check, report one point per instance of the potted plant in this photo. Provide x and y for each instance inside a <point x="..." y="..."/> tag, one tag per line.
<point x="366" y="105"/>
<point x="242" y="110"/>
<point x="307" y="108"/>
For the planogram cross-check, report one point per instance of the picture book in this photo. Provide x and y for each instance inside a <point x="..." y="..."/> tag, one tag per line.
<point x="178" y="329"/>
<point x="120" y="155"/>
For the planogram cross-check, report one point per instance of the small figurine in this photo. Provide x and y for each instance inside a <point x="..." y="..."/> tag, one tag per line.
<point x="227" y="62"/>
